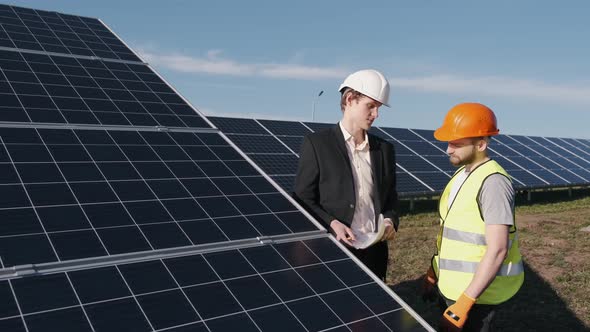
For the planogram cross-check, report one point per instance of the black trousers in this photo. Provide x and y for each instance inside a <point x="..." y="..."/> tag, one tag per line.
<point x="374" y="257"/>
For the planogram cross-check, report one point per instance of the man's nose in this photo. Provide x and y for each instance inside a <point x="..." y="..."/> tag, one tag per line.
<point x="375" y="113"/>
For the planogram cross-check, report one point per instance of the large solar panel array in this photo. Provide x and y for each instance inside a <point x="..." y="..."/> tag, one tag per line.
<point x="423" y="167"/>
<point x="123" y="209"/>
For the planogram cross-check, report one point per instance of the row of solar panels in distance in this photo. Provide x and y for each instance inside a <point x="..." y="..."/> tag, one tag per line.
<point x="56" y="89"/>
<point x="69" y="194"/>
<point x="30" y="29"/>
<point x="423" y="166"/>
<point x="295" y="286"/>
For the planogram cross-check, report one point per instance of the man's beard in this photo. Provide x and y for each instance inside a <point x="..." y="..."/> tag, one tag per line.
<point x="462" y="162"/>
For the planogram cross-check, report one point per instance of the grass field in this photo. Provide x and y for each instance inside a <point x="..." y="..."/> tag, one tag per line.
<point x="556" y="292"/>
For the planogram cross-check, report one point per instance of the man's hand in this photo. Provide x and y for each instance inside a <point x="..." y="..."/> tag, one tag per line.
<point x="343" y="233"/>
<point x="428" y="290"/>
<point x="389" y="230"/>
<point x="455" y="315"/>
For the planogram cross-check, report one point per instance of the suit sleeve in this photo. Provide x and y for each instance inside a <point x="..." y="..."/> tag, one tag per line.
<point x="390" y="207"/>
<point x="307" y="183"/>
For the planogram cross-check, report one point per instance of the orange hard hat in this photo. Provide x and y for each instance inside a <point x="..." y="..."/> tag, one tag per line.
<point x="467" y="120"/>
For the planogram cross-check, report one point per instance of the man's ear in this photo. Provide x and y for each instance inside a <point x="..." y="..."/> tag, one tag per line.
<point x="482" y="144"/>
<point x="349" y="98"/>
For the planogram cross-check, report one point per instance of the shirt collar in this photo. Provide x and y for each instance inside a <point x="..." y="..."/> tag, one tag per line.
<point x="348" y="138"/>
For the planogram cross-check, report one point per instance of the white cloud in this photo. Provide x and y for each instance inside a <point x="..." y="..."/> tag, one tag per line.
<point x="250" y="115"/>
<point x="214" y="63"/>
<point x="209" y="65"/>
<point x="497" y="87"/>
<point x="301" y="72"/>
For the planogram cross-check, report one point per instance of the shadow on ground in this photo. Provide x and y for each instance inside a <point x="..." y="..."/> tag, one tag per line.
<point x="536" y="307"/>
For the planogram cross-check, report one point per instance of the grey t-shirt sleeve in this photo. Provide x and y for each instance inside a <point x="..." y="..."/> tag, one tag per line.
<point x="496" y="200"/>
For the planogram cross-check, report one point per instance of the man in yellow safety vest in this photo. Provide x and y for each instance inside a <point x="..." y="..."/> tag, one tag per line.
<point x="477" y="265"/>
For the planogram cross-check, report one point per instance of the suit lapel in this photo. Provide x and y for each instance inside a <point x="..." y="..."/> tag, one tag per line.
<point x="339" y="139"/>
<point x="375" y="152"/>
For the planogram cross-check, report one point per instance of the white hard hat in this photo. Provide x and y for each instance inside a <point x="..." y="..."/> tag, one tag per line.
<point x="369" y="82"/>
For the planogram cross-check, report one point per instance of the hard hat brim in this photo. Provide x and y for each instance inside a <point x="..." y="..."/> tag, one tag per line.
<point x="444" y="134"/>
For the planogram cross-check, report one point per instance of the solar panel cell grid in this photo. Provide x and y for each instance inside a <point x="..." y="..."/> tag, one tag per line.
<point x="278" y="164"/>
<point x="258" y="144"/>
<point x="55" y="89"/>
<point x="58" y="33"/>
<point x="238" y="126"/>
<point x="578" y="146"/>
<point x="414" y="163"/>
<point x="401" y="134"/>
<point x="435" y="180"/>
<point x="122" y="194"/>
<point x="316" y="126"/>
<point x="285" y="128"/>
<point x="260" y="286"/>
<point x="424" y="148"/>
<point x="406" y="183"/>
<point x="286" y="182"/>
<point x="293" y="142"/>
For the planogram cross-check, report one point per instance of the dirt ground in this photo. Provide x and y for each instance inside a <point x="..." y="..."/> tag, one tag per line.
<point x="556" y="292"/>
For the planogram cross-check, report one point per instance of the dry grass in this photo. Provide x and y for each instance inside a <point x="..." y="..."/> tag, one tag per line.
<point x="556" y="293"/>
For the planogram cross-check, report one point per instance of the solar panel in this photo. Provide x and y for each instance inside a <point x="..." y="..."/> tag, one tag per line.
<point x="421" y="158"/>
<point x="40" y="30"/>
<point x="317" y="126"/>
<point x="275" y="154"/>
<point x="567" y="166"/>
<point x="302" y="285"/>
<point x="406" y="183"/>
<point x="584" y="143"/>
<point x="45" y="88"/>
<point x="293" y="142"/>
<point x="259" y="144"/>
<point x="575" y="146"/>
<point x="155" y="189"/>
<point x="548" y="169"/>
<point x="238" y="126"/>
<point x="282" y="164"/>
<point x="290" y="133"/>
<point x="285" y="128"/>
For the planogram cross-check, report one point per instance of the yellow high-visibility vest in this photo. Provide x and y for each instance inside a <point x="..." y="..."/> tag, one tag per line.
<point x="461" y="242"/>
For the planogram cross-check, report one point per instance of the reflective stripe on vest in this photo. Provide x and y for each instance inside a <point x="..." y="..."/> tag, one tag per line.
<point x="507" y="270"/>
<point x="461" y="242"/>
<point x="473" y="238"/>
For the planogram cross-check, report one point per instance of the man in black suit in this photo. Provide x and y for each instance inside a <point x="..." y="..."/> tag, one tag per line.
<point x="346" y="176"/>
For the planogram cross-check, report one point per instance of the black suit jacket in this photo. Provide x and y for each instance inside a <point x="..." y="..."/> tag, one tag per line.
<point x="324" y="184"/>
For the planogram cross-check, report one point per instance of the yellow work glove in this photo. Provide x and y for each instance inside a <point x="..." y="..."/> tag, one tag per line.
<point x="428" y="290"/>
<point x="455" y="316"/>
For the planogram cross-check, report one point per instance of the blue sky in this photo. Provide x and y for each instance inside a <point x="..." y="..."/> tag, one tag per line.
<point x="527" y="60"/>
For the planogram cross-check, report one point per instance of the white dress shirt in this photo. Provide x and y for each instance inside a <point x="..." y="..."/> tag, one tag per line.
<point x="363" y="220"/>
